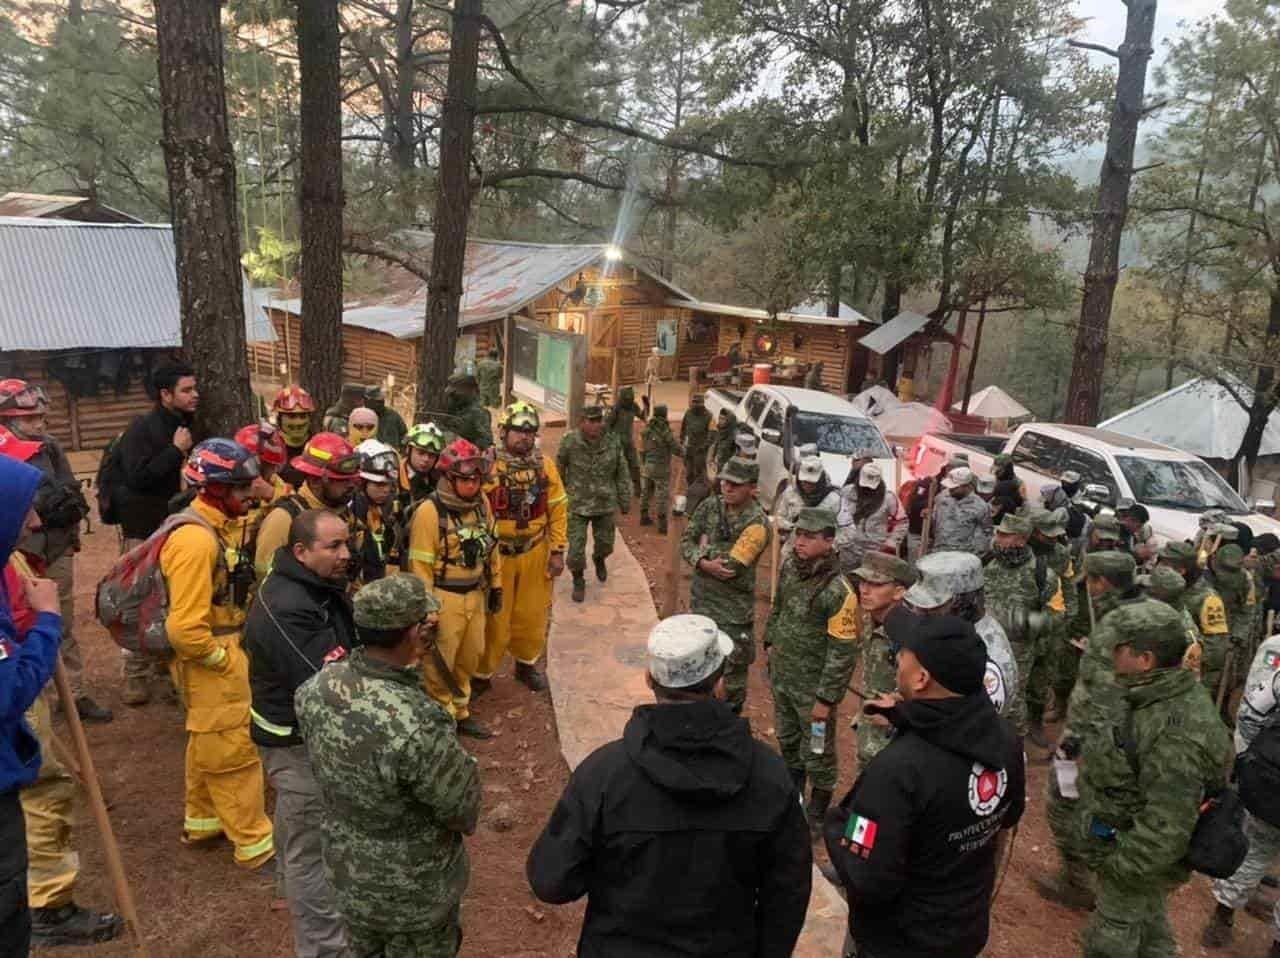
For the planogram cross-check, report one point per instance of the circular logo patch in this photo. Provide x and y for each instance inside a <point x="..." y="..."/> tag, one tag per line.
<point x="994" y="683"/>
<point x="986" y="789"/>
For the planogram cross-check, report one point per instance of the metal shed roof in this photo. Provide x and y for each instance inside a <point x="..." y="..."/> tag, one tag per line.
<point x="1199" y="417"/>
<point x="892" y="333"/>
<point x="848" y="316"/>
<point x="71" y="285"/>
<point x="66" y="207"/>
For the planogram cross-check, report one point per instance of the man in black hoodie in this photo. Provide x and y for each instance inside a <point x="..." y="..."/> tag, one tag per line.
<point x="301" y="614"/>
<point x="686" y="835"/>
<point x="915" y="842"/>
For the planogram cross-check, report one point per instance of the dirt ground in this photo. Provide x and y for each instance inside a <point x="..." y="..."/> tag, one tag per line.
<point x="197" y="903"/>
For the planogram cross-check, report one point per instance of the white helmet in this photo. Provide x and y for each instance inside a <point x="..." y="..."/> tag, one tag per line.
<point x="378" y="461"/>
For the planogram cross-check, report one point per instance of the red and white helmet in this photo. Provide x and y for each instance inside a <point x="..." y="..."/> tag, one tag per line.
<point x="463" y="458"/>
<point x="293" y="399"/>
<point x="21" y="398"/>
<point x="327" y="456"/>
<point x="264" y="441"/>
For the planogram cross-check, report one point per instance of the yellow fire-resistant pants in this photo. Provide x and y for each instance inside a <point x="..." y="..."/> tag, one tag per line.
<point x="47" y="803"/>
<point x="460" y="639"/>
<point x="225" y="794"/>
<point x="522" y="623"/>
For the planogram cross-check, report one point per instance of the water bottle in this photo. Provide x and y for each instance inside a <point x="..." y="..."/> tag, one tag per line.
<point x="818" y="737"/>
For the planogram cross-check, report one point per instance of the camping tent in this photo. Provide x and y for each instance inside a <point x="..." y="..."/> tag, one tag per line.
<point x="993" y="403"/>
<point x="900" y="421"/>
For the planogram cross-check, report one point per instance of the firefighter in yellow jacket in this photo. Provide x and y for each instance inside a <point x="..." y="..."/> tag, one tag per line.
<point x="208" y="576"/>
<point x="531" y="510"/>
<point x="453" y="549"/>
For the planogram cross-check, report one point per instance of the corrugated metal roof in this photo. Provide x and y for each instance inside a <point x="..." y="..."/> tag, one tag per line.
<point x="846" y="319"/>
<point x="70" y="285"/>
<point x="816" y="308"/>
<point x="892" y="333"/>
<point x="42" y="205"/>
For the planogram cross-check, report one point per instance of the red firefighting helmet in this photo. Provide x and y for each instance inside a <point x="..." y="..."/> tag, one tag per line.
<point x="293" y="399"/>
<point x="21" y="398"/>
<point x="265" y="442"/>
<point x="327" y="456"/>
<point x="463" y="458"/>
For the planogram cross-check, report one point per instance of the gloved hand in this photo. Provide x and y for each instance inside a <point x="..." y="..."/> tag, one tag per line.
<point x="495" y="601"/>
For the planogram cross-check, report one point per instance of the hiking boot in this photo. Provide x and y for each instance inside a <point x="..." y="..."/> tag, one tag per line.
<point x="529" y="676"/>
<point x="136" y="690"/>
<point x="816" y="810"/>
<point x="479" y="687"/>
<point x="1035" y="732"/>
<point x="1069" y="887"/>
<point x="644" y="518"/>
<point x="1218" y="933"/>
<point x="1260" y="906"/>
<point x="257" y="861"/>
<point x="797" y="778"/>
<point x="579" y="587"/>
<point x="662" y="525"/>
<point x="1275" y="950"/>
<point x="91" y="711"/>
<point x="70" y="924"/>
<point x="472" y="728"/>
<point x="601" y="572"/>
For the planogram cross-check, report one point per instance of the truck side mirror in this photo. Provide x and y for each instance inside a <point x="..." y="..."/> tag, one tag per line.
<point x="771" y="436"/>
<point x="1097" y="492"/>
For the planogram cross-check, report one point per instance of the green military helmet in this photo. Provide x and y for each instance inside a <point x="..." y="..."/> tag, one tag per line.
<point x="396" y="602"/>
<point x="816" y="519"/>
<point x="660" y="411"/>
<point x="1110" y="564"/>
<point x="625" y="393"/>
<point x="1180" y="554"/>
<point x="1166" y="584"/>
<point x="593" y="412"/>
<point x="1051" y="523"/>
<point x="1106" y="527"/>
<point x="1150" y="627"/>
<point x="1228" y="558"/>
<point x="740" y="471"/>
<point x="1014" y="525"/>
<point x="880" y="567"/>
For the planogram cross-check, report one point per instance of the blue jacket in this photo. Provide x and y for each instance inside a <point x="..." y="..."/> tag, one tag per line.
<point x="25" y="668"/>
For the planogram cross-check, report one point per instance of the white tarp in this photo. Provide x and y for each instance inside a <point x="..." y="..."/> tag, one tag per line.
<point x="993" y="403"/>
<point x="898" y="419"/>
<point x="1200" y="417"/>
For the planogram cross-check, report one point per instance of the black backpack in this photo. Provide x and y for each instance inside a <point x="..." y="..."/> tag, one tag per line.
<point x="1258" y="774"/>
<point x="109" y="482"/>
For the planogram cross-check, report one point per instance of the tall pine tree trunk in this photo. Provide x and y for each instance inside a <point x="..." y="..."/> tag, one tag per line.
<point x="320" y="200"/>
<point x="1084" y="392"/>
<point x="453" y="205"/>
<point x="201" y="171"/>
<point x="1265" y="398"/>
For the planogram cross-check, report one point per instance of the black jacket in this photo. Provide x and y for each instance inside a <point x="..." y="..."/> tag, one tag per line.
<point x="687" y="838"/>
<point x="152" y="467"/>
<point x="914" y="841"/>
<point x="296" y="620"/>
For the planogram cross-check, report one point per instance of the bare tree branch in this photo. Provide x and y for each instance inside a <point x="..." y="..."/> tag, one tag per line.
<point x="364" y="245"/>
<point x="1096" y="47"/>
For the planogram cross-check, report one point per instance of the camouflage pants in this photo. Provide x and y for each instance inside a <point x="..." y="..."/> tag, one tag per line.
<point x="1131" y="921"/>
<point x="442" y="941"/>
<point x="792" y="721"/>
<point x="603" y="531"/>
<point x="1024" y="654"/>
<point x="1264" y="850"/>
<point x="1063" y="815"/>
<point x="633" y="461"/>
<point x="1066" y="666"/>
<point x="738" y="665"/>
<point x="695" y="464"/>
<point x="1212" y="661"/>
<point x="1040" y="681"/>
<point x="655" y="487"/>
<point x="879" y="674"/>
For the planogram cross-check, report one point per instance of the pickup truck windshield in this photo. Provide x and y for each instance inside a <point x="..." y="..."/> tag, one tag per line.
<point x="840" y="435"/>
<point x="1192" y="486"/>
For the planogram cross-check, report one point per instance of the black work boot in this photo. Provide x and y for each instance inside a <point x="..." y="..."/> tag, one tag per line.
<point x="579" y="587"/>
<point x="816" y="810"/>
<point x="480" y="686"/>
<point x="1070" y="886"/>
<point x="471" y="727"/>
<point x="72" y="925"/>
<point x="529" y="675"/>
<point x="1221" y="928"/>
<point x="601" y="572"/>
<point x="91" y="711"/>
<point x="662" y="525"/>
<point x="797" y="779"/>
<point x="1275" y="950"/>
<point x="644" y="518"/>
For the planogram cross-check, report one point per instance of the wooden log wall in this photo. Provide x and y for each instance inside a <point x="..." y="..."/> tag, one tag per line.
<point x="830" y="344"/>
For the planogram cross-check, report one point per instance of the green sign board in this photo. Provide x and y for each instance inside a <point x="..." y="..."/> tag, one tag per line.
<point x="554" y="359"/>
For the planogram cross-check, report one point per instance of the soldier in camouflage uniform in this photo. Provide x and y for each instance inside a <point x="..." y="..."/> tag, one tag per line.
<point x="1168" y="586"/>
<point x="1049" y="543"/>
<point x="725" y="438"/>
<point x="399" y="791"/>
<point x="961" y="520"/>
<point x="1207" y="611"/>
<point x="883" y="581"/>
<point x="1102" y="536"/>
<point x="594" y="473"/>
<point x="1233" y="582"/>
<point x="1025" y="596"/>
<point x="621" y="422"/>
<point x="659" y="446"/>
<point x="695" y="433"/>
<point x="489" y="379"/>
<point x="335" y="417"/>
<point x="462" y="402"/>
<point x="1160" y="754"/>
<point x="1109" y="583"/>
<point x="811" y="644"/>
<point x="723" y="542"/>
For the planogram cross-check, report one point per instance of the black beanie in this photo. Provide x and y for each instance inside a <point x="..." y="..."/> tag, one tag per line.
<point x="948" y="647"/>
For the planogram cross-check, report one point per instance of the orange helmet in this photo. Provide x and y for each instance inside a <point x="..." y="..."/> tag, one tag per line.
<point x="293" y="399"/>
<point x="265" y="442"/>
<point x="463" y="458"/>
<point x="327" y="456"/>
<point x="21" y="398"/>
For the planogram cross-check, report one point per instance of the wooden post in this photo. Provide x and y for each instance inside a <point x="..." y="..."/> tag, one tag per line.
<point x="508" y="373"/>
<point x="775" y="558"/>
<point x="675" y="529"/>
<point x="111" y="850"/>
<point x="74" y="408"/>
<point x="613" y="375"/>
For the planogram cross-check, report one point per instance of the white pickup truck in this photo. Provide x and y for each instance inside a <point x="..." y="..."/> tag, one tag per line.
<point x="1175" y="486"/>
<point x="783" y="418"/>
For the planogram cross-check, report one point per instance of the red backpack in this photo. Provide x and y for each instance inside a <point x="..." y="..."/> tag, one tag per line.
<point x="132" y="600"/>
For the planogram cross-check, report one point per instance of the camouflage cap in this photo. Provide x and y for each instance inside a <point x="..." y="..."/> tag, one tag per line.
<point x="698" y="399"/>
<point x="1229" y="557"/>
<point x="625" y="393"/>
<point x="882" y="567"/>
<point x="958" y="476"/>
<point x="462" y="380"/>
<point x="1212" y="517"/>
<point x="1150" y="627"/>
<point x="1106" y="526"/>
<point x="1049" y="522"/>
<point x="396" y="602"/>
<point x="685" y="649"/>
<point x="816" y="519"/>
<point x="1166" y="584"/>
<point x="1225" y="532"/>
<point x="1179" y="553"/>
<point x="593" y="412"/>
<point x="1014" y="525"/>
<point x="1002" y="459"/>
<point x="954" y="572"/>
<point x="927" y="596"/>
<point x="986" y="485"/>
<point x="746" y="443"/>
<point x="957" y="459"/>
<point x="810" y="470"/>
<point x="660" y="411"/>
<point x="740" y="471"/>
<point x="1110" y="564"/>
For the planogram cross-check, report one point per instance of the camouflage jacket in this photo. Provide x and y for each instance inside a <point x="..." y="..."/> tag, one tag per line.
<point x="472" y="419"/>
<point x="1001" y="679"/>
<point x="1151" y="791"/>
<point x="594" y="474"/>
<point x="695" y="431"/>
<point x="1096" y="697"/>
<point x="1062" y="563"/>
<point x="1240" y="598"/>
<point x="489" y="377"/>
<point x="740" y="539"/>
<point x="961" y="525"/>
<point x="724" y="443"/>
<point x="621" y="420"/>
<point x="1015" y="596"/>
<point x="879" y="671"/>
<point x="399" y="793"/>
<point x="813" y="629"/>
<point x="658" y="444"/>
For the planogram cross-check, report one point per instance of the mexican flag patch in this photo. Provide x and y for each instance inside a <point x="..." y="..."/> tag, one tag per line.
<point x="860" y="835"/>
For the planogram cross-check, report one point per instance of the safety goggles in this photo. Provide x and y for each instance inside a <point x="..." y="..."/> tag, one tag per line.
<point x="470" y="468"/>
<point x="32" y="397"/>
<point x="290" y="402"/>
<point x="347" y="465"/>
<point x="383" y="464"/>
